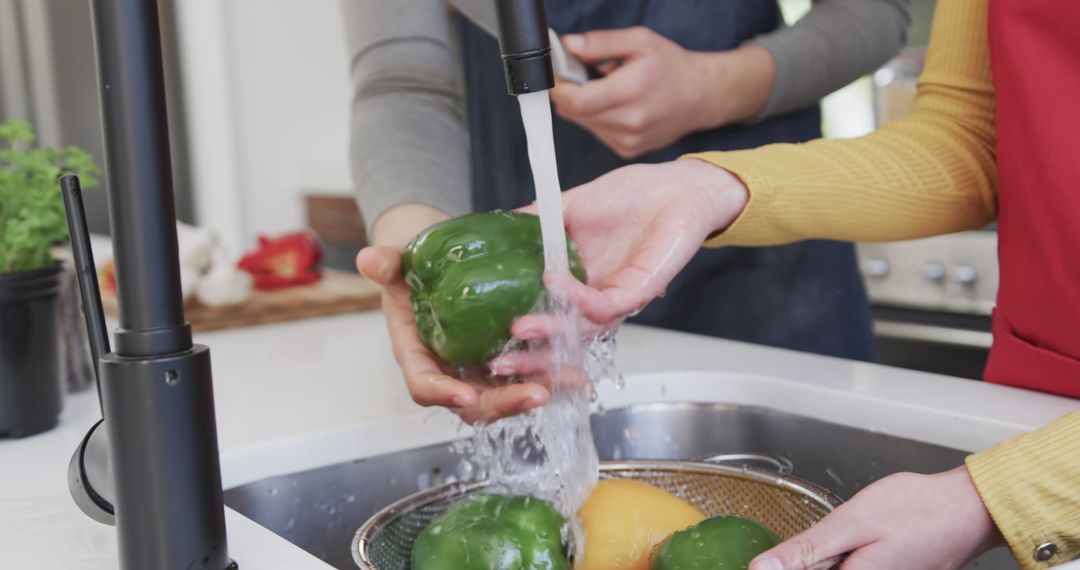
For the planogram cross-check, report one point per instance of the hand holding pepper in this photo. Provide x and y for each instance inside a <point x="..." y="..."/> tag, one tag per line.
<point x="429" y="380"/>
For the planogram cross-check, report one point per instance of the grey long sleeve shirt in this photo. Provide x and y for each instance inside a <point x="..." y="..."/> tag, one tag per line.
<point x="409" y="140"/>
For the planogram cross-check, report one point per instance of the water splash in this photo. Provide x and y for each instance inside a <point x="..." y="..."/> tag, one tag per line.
<point x="549" y="452"/>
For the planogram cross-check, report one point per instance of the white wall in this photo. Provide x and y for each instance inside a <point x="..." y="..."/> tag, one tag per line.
<point x="267" y="92"/>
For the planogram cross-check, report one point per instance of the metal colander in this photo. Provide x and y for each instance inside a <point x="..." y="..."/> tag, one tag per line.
<point x="784" y="504"/>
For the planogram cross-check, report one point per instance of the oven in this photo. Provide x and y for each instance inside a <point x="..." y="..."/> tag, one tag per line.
<point x="932" y="299"/>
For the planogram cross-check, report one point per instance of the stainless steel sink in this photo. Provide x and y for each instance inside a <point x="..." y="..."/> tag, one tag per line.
<point x="319" y="510"/>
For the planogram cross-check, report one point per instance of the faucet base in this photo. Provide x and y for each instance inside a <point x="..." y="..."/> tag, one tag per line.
<point x="90" y="478"/>
<point x="162" y="443"/>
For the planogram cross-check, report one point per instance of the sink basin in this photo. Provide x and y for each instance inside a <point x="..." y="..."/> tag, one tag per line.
<point x="319" y="510"/>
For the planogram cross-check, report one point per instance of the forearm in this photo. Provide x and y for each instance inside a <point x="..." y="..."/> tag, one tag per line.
<point x="931" y="173"/>
<point x="1028" y="484"/>
<point x="409" y="143"/>
<point x="837" y="42"/>
<point x="736" y="85"/>
<point x="404" y="150"/>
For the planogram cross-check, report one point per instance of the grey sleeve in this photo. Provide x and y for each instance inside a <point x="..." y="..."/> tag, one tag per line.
<point x="837" y="42"/>
<point x="409" y="142"/>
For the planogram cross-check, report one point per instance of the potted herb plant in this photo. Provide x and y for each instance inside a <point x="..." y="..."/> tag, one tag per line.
<point x="31" y="223"/>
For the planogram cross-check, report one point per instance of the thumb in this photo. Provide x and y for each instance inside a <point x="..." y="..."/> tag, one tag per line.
<point x="533" y="209"/>
<point x="603" y="45"/>
<point x="379" y="264"/>
<point x="821" y="547"/>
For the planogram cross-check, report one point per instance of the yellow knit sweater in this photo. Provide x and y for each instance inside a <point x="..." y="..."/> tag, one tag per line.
<point x="931" y="173"/>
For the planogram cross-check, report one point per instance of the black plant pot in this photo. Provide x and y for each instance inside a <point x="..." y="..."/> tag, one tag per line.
<point x="30" y="380"/>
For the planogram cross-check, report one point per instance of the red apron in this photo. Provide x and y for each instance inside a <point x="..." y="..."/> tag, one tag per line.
<point x="1035" y="55"/>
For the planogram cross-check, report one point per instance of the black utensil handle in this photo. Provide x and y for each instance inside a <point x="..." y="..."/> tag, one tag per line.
<point x="86" y="271"/>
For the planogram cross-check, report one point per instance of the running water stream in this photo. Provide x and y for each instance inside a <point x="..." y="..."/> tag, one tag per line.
<point x="536" y="115"/>
<point x="549" y="452"/>
<point x="563" y="425"/>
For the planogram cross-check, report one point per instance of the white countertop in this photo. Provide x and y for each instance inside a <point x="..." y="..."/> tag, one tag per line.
<point x="310" y="393"/>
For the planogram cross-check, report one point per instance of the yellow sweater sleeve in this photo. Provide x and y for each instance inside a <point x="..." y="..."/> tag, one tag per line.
<point x="932" y="172"/>
<point x="1031" y="486"/>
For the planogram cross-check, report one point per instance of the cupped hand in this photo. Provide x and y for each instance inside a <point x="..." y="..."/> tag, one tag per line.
<point x="901" y="522"/>
<point x="429" y="380"/>
<point x="635" y="228"/>
<point x="656" y="92"/>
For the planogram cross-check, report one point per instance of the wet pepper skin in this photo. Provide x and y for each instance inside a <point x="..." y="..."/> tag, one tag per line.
<point x="472" y="277"/>
<point x="489" y="532"/>
<point x="719" y="542"/>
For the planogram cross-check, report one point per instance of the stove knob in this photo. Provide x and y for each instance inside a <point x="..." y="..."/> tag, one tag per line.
<point x="964" y="275"/>
<point x="934" y="272"/>
<point x="876" y="267"/>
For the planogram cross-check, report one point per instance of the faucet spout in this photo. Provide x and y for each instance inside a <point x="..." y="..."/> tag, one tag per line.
<point x="525" y="46"/>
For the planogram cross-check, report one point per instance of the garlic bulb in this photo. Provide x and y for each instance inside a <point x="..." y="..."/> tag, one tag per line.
<point x="224" y="284"/>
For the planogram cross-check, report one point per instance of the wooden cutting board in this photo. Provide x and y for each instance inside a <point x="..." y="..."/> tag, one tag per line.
<point x="338" y="292"/>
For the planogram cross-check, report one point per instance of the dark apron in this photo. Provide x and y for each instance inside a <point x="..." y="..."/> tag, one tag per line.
<point x="806" y="296"/>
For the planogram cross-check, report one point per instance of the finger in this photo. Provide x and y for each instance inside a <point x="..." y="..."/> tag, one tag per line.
<point x="626" y="119"/>
<point x="430" y="386"/>
<point x="530" y="209"/>
<point x="379" y="264"/>
<point x="505" y="401"/>
<point x="602" y="45"/>
<point x="540" y="366"/>
<point x="601" y="306"/>
<point x="608" y="66"/>
<point x="540" y="327"/>
<point x="535" y="327"/>
<point x="819" y="547"/>
<point x="565" y="377"/>
<point x="424" y="376"/>
<point x="563" y="93"/>
<point x="522" y="362"/>
<point x="615" y="89"/>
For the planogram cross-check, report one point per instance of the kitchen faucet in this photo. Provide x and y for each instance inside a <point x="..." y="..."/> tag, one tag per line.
<point x="151" y="465"/>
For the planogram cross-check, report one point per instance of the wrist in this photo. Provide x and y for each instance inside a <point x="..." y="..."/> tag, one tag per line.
<point x="721" y="195"/>
<point x="972" y="511"/>
<point x="399" y="224"/>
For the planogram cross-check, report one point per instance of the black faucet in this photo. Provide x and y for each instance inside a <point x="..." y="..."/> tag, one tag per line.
<point x="525" y="46"/>
<point x="151" y="466"/>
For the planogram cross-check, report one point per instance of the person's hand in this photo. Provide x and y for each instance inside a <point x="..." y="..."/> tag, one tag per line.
<point x="428" y="379"/>
<point x="635" y="228"/>
<point x="901" y="522"/>
<point x="655" y="92"/>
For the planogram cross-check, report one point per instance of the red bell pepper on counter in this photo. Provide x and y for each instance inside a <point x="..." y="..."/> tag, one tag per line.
<point x="284" y="261"/>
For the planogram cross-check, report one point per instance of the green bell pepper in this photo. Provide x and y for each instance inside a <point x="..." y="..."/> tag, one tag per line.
<point x="472" y="277"/>
<point x="718" y="542"/>
<point x="491" y="532"/>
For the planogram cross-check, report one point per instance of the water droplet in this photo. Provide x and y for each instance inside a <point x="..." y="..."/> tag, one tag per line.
<point x="465" y="470"/>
